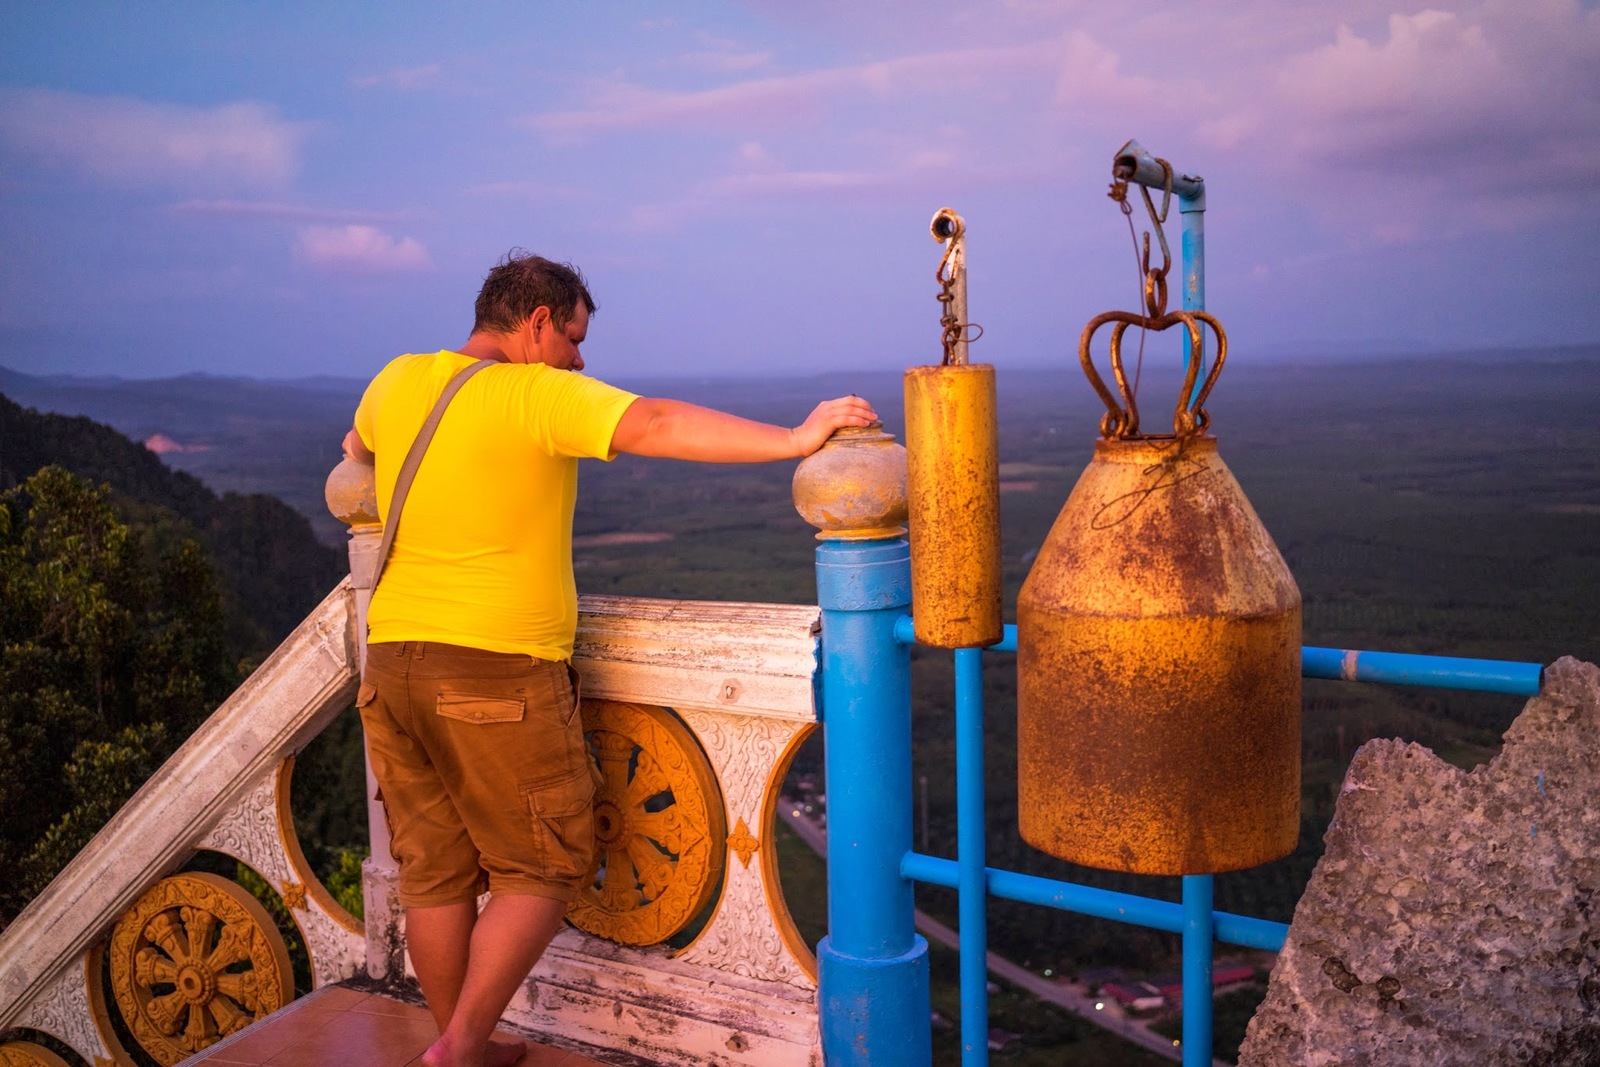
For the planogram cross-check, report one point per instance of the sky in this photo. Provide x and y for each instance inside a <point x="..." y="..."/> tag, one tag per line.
<point x="293" y="189"/>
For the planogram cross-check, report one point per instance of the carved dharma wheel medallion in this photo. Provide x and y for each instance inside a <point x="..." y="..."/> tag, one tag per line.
<point x="194" y="960"/>
<point x="659" y="826"/>
<point x="28" y="1054"/>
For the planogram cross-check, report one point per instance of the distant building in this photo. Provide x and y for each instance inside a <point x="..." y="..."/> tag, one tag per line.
<point x="1223" y="974"/>
<point x="1092" y="978"/>
<point x="999" y="1039"/>
<point x="1135" y="996"/>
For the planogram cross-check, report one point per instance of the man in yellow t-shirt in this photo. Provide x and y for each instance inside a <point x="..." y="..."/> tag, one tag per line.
<point x="468" y="700"/>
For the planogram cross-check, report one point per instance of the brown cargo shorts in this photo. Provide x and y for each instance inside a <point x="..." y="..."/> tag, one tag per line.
<point x="482" y="769"/>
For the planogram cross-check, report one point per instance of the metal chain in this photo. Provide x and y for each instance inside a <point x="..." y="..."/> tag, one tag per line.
<point x="1155" y="278"/>
<point x="1121" y="421"/>
<point x="952" y="330"/>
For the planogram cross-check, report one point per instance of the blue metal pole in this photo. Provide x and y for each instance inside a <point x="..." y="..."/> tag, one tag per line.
<point x="972" y="859"/>
<point x="1192" y="209"/>
<point x="1198" y="934"/>
<point x="872" y="965"/>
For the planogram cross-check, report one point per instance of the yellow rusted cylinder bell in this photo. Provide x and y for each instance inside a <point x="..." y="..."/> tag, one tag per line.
<point x="1158" y="659"/>
<point x="953" y="477"/>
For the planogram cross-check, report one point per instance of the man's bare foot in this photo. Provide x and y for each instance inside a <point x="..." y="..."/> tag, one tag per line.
<point x="440" y="1053"/>
<point x="504" y="1052"/>
<point x="501" y="1053"/>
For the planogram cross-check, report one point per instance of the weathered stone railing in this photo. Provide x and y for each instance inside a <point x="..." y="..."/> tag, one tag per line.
<point x="698" y="707"/>
<point x="226" y="789"/>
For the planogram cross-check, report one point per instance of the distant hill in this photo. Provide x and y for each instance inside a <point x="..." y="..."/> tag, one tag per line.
<point x="273" y="565"/>
<point x="281" y="437"/>
<point x="275" y="437"/>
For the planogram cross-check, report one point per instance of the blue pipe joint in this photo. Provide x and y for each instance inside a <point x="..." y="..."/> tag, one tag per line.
<point x="875" y="1011"/>
<point x="863" y="575"/>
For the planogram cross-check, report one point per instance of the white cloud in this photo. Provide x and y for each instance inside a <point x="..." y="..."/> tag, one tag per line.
<point x="724" y="55"/>
<point x="1091" y="74"/>
<point x="781" y="100"/>
<point x="531" y="190"/>
<point x="403" y="78"/>
<point x="1416" y="126"/>
<point x="359" y="249"/>
<point x="135" y="142"/>
<point x="280" y="212"/>
<point x="755" y="154"/>
<point x="1493" y="102"/>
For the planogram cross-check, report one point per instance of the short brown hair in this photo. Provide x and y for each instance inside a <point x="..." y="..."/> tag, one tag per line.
<point x="522" y="282"/>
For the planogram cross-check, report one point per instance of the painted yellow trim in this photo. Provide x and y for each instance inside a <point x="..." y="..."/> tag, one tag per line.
<point x="309" y="885"/>
<point x="770" y="882"/>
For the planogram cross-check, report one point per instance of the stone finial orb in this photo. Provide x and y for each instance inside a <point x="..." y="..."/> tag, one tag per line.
<point x="854" y="487"/>
<point x="352" y="493"/>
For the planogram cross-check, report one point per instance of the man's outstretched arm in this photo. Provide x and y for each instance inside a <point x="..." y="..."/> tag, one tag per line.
<point x="672" y="429"/>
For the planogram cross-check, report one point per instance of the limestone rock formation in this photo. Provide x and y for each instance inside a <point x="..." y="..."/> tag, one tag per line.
<point x="1455" y="917"/>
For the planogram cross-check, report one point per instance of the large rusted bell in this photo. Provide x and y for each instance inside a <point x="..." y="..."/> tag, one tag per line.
<point x="1158" y="656"/>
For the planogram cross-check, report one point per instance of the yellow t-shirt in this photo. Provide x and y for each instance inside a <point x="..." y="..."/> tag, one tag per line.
<point x="483" y="554"/>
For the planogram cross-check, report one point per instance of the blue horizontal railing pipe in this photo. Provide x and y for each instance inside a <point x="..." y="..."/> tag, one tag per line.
<point x="1400" y="668"/>
<point x="1391" y="668"/>
<point x="1165" y="915"/>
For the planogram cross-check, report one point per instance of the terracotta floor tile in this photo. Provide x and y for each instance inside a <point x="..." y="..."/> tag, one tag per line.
<point x="359" y="1040"/>
<point x="575" y="1059"/>
<point x="543" y="1056"/>
<point x="226" y="1058"/>
<point x="259" y="1043"/>
<point x="378" y="1004"/>
<point x="341" y="1027"/>
<point x="332" y="998"/>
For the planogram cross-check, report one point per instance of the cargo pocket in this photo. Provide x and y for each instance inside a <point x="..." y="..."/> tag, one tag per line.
<point x="568" y="689"/>
<point x="366" y="694"/>
<point x="383" y="806"/>
<point x="467" y="707"/>
<point x="563" y="826"/>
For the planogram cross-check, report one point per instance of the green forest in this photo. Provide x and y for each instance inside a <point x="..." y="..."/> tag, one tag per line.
<point x="136" y="599"/>
<point x="1437" y="505"/>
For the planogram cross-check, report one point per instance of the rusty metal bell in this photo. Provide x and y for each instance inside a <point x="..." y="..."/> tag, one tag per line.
<point x="953" y="472"/>
<point x="1158" y="655"/>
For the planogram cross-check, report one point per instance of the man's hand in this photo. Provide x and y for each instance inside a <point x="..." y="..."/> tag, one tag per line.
<point x="356" y="449"/>
<point x="830" y="415"/>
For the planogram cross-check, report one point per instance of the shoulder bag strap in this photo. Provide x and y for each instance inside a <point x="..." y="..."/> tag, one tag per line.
<point x="408" y="469"/>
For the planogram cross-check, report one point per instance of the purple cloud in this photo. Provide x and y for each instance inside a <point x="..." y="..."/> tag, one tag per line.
<point x="360" y="249"/>
<point x="282" y="212"/>
<point x="135" y="142"/>
<point x="403" y="78"/>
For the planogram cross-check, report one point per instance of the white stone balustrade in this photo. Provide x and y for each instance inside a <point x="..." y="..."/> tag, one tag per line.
<point x="740" y="676"/>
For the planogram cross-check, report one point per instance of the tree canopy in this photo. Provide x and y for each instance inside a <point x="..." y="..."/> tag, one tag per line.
<point x="112" y="650"/>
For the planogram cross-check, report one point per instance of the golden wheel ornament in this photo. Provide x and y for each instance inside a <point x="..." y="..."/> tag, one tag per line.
<point x="660" y="831"/>
<point x="195" y="959"/>
<point x="28" y="1054"/>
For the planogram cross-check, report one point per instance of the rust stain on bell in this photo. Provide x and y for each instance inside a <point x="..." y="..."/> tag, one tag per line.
<point x="1158" y="657"/>
<point x="953" y="477"/>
